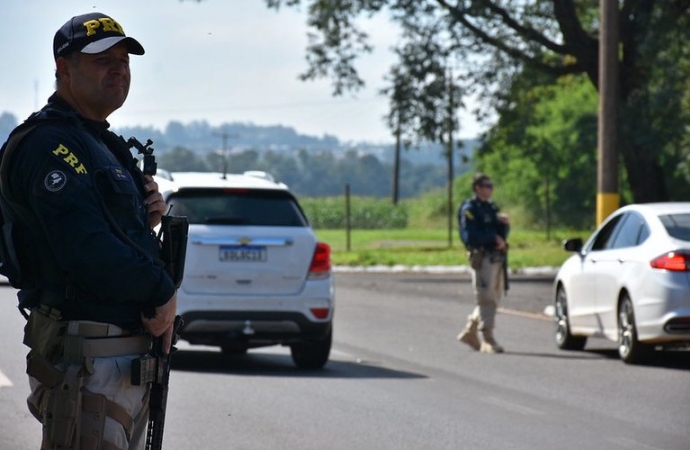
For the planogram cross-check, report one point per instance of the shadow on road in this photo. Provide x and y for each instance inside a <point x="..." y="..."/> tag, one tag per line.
<point x="569" y="356"/>
<point x="669" y="359"/>
<point x="661" y="359"/>
<point x="278" y="365"/>
<point x="464" y="278"/>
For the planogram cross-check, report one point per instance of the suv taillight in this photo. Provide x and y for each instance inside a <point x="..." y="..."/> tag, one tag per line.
<point x="321" y="262"/>
<point x="673" y="261"/>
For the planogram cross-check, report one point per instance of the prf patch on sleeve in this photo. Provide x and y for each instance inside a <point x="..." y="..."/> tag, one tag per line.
<point x="469" y="214"/>
<point x="70" y="158"/>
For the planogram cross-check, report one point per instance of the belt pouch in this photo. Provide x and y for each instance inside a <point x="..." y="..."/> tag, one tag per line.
<point x="43" y="334"/>
<point x="41" y="369"/>
<point x="498" y="257"/>
<point x="476" y="257"/>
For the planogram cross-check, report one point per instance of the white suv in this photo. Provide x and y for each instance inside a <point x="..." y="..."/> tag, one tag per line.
<point x="255" y="273"/>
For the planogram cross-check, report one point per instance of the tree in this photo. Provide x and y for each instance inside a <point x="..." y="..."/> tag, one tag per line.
<point x="542" y="152"/>
<point x="181" y="159"/>
<point x="283" y="167"/>
<point x="7" y="123"/>
<point x="498" y="39"/>
<point x="240" y="161"/>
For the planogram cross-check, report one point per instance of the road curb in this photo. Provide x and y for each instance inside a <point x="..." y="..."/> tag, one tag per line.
<point x="542" y="272"/>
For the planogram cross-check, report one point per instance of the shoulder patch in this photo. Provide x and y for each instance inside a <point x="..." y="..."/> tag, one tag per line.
<point x="469" y="214"/>
<point x="119" y="174"/>
<point x="55" y="181"/>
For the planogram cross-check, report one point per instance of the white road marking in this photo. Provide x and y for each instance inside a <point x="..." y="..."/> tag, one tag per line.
<point x="4" y="381"/>
<point x="514" y="407"/>
<point x="528" y="315"/>
<point x="342" y="354"/>
<point x="629" y="443"/>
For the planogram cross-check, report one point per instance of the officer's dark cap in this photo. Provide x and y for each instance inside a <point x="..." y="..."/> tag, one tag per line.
<point x="479" y="178"/>
<point x="92" y="33"/>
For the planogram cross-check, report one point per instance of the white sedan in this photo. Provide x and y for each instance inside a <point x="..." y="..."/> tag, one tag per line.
<point x="629" y="282"/>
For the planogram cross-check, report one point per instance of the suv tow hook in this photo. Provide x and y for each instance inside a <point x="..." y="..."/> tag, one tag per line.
<point x="248" y="330"/>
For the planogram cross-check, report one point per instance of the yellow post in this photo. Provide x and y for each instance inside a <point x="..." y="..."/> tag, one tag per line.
<point x="607" y="203"/>
<point x="607" y="139"/>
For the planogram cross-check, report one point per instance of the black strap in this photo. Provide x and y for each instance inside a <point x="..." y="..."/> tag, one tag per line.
<point x="21" y="276"/>
<point x="6" y="154"/>
<point x="120" y="148"/>
<point x="11" y="210"/>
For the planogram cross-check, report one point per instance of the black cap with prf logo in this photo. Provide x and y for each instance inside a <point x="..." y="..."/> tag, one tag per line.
<point x="92" y="33"/>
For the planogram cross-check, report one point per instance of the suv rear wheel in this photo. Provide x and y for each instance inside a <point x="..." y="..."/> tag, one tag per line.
<point x="312" y="354"/>
<point x="233" y="350"/>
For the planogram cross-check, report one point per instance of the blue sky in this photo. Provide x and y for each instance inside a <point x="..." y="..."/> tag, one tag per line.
<point x="218" y="60"/>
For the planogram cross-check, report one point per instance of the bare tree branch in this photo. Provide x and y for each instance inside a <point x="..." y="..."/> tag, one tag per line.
<point x="527" y="32"/>
<point x="513" y="52"/>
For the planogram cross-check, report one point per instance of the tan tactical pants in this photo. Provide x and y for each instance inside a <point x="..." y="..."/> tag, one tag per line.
<point x="488" y="285"/>
<point x="80" y="380"/>
<point x="111" y="377"/>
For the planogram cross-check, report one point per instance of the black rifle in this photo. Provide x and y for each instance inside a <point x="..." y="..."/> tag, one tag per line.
<point x="154" y="368"/>
<point x="150" y="166"/>
<point x="173" y="252"/>
<point x="506" y="284"/>
<point x="173" y="230"/>
<point x="173" y="239"/>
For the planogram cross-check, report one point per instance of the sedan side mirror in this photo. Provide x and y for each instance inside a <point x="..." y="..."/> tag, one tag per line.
<point x="572" y="245"/>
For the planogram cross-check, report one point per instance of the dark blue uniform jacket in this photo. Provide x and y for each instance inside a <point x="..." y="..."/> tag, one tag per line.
<point x="77" y="189"/>
<point x="479" y="224"/>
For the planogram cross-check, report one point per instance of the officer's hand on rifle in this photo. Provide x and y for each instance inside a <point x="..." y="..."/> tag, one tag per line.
<point x="161" y="324"/>
<point x="500" y="243"/>
<point x="154" y="201"/>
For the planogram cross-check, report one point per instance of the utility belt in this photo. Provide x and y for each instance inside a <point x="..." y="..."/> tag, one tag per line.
<point x="476" y="256"/>
<point x="73" y="341"/>
<point x="61" y="356"/>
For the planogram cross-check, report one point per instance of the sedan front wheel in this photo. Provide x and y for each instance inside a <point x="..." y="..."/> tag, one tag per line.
<point x="565" y="340"/>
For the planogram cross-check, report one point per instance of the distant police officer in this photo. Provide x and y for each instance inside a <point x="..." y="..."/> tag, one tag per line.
<point x="97" y="290"/>
<point x="484" y="231"/>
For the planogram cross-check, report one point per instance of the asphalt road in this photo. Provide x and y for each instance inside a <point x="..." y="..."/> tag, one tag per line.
<point x="397" y="379"/>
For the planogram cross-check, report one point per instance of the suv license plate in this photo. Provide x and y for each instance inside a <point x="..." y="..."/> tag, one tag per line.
<point x="242" y="253"/>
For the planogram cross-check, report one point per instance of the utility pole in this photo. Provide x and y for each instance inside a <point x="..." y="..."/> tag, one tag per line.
<point x="35" y="95"/>
<point x="450" y="158"/>
<point x="608" y="199"/>
<point x="396" y="161"/>
<point x="224" y="135"/>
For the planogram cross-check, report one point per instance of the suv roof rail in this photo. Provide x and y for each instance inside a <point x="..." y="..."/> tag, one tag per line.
<point x="259" y="174"/>
<point x="162" y="173"/>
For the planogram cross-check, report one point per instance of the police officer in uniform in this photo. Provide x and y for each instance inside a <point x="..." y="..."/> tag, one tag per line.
<point x="484" y="231"/>
<point x="97" y="290"/>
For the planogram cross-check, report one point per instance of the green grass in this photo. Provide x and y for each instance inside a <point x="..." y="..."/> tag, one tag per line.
<point x="410" y="247"/>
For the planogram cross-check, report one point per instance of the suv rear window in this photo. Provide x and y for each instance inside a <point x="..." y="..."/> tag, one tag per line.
<point x="677" y="225"/>
<point x="230" y="206"/>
